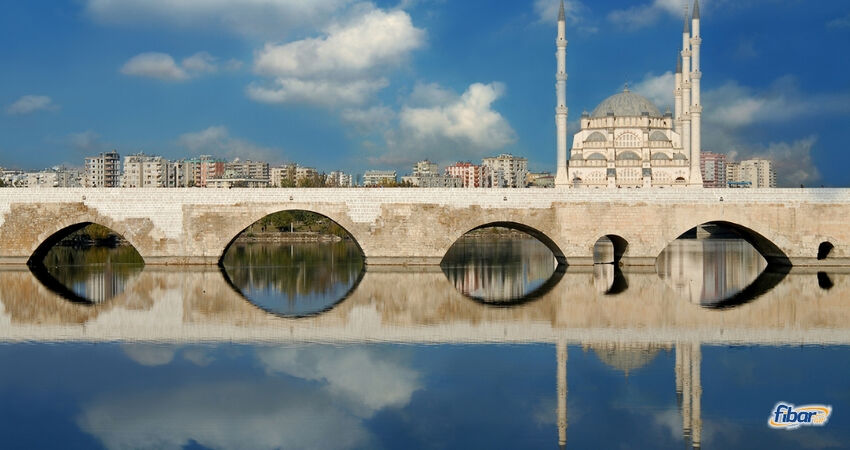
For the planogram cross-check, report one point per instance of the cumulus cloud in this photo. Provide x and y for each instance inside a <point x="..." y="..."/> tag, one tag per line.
<point x="734" y="105"/>
<point x="154" y="65"/>
<point x="547" y="10"/>
<point x="469" y="119"/>
<point x="216" y="140"/>
<point x="641" y="16"/>
<point x="658" y="89"/>
<point x="162" y="66"/>
<point x="317" y="92"/>
<point x="265" y="18"/>
<point x="446" y="126"/>
<point x="341" y="67"/>
<point x="29" y="104"/>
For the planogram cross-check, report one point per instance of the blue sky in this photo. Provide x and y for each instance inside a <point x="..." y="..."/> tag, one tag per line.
<point x="346" y="84"/>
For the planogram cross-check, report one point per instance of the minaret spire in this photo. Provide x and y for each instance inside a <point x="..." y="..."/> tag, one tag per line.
<point x="696" y="106"/>
<point x="561" y="177"/>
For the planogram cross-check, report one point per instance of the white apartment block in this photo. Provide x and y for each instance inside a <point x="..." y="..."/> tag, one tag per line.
<point x="471" y="175"/>
<point x="146" y="171"/>
<point x="339" y="179"/>
<point x="507" y="171"/>
<point x="425" y="168"/>
<point x="752" y="173"/>
<point x="103" y="170"/>
<point x="379" y="177"/>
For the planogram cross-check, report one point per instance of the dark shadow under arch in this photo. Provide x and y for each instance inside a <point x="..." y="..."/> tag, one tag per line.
<point x="533" y="232"/>
<point x="774" y="255"/>
<point x="236" y="237"/>
<point x="763" y="284"/>
<point x="824" y="249"/>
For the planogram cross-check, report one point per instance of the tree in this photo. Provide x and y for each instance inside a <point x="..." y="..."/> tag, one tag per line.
<point x="2" y="184"/>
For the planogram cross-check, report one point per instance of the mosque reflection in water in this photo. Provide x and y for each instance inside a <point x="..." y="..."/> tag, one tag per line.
<point x="632" y="321"/>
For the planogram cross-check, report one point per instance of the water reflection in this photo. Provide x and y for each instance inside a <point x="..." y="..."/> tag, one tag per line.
<point x="716" y="272"/>
<point x="88" y="274"/>
<point x="294" y="279"/>
<point x="502" y="271"/>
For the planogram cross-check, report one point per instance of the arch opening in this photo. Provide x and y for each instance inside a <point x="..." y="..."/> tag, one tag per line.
<point x="609" y="249"/>
<point x="824" y="250"/>
<point x="294" y="263"/>
<point x="504" y="264"/>
<point x="86" y="263"/>
<point x="721" y="264"/>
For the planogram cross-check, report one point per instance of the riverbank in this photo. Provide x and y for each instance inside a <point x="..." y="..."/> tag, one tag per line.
<point x="281" y="237"/>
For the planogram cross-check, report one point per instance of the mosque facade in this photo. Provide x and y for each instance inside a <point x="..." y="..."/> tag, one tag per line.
<point x="626" y="142"/>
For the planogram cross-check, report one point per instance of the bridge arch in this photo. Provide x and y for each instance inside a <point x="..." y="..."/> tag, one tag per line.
<point x="240" y="225"/>
<point x="774" y="255"/>
<point x="64" y="227"/>
<point x="618" y="248"/>
<point x="518" y="226"/>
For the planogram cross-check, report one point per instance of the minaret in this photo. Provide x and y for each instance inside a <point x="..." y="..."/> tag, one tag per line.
<point x="677" y="94"/>
<point x="696" y="106"/>
<point x="686" y="88"/>
<point x="562" y="393"/>
<point x="561" y="177"/>
<point x="688" y="365"/>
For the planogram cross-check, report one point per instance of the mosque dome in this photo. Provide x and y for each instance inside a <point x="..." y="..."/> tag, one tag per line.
<point x="626" y="104"/>
<point x="626" y="357"/>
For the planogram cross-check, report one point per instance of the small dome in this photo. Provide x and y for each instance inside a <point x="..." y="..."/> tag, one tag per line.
<point x="658" y="136"/>
<point x="659" y="157"/>
<point x="628" y="156"/>
<point x="680" y="156"/>
<point x="596" y="137"/>
<point x="626" y="104"/>
<point x="596" y="156"/>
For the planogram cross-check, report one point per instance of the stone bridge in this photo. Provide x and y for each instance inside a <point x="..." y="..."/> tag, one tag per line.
<point x="418" y="226"/>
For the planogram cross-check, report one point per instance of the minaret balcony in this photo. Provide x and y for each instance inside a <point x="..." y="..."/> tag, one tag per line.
<point x="561" y="110"/>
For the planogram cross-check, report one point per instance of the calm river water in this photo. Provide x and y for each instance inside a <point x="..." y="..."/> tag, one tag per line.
<point x="301" y="346"/>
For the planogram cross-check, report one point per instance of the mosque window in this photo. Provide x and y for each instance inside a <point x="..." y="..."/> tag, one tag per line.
<point x="628" y="140"/>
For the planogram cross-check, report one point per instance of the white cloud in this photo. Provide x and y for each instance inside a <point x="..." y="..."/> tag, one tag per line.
<point x="29" y="104"/>
<point x="641" y="16"/>
<point x="216" y="140"/>
<point x="320" y="92"/>
<point x="342" y="67"/>
<point x="377" y="38"/>
<point x="200" y="62"/>
<point x="469" y="119"/>
<point x="443" y="126"/>
<point x="658" y="89"/>
<point x="266" y="18"/>
<point x="163" y="67"/>
<point x="547" y="10"/>
<point x="733" y="105"/>
<point x="154" y="65"/>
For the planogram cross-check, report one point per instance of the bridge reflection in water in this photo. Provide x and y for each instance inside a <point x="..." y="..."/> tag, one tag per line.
<point x="625" y="317"/>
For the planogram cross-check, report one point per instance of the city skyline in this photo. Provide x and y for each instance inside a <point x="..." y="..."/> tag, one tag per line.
<point x="90" y="76"/>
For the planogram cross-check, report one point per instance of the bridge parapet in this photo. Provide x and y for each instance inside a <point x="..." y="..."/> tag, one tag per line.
<point x="417" y="226"/>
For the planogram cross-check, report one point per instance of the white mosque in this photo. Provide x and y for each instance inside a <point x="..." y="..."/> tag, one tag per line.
<point x="626" y="142"/>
